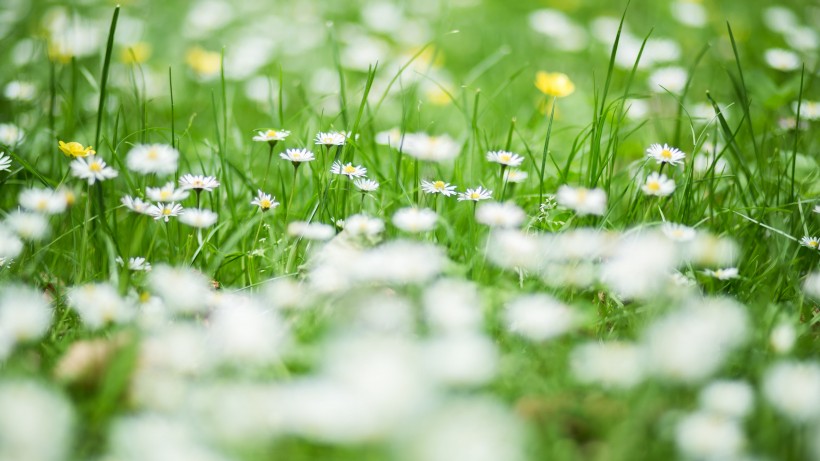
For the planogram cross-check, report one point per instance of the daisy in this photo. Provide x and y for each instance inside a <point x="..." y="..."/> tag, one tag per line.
<point x="164" y="211"/>
<point x="92" y="170"/>
<point x="198" y="218"/>
<point x="198" y="182"/>
<point x="264" y="201"/>
<point x="515" y="176"/>
<point x="678" y="232"/>
<point x="271" y="136"/>
<point x="431" y="148"/>
<point x="311" y="231"/>
<point x="505" y="158"/>
<point x="297" y="156"/>
<point x="152" y="158"/>
<point x="366" y="185"/>
<point x="330" y="138"/>
<point x="810" y="242"/>
<point x="136" y="205"/>
<point x="672" y="79"/>
<point x="10" y="134"/>
<point x="166" y="193"/>
<point x="475" y="195"/>
<point x="75" y="149"/>
<point x="137" y="264"/>
<point x="782" y="60"/>
<point x="809" y="110"/>
<point x="438" y="187"/>
<point x="29" y="226"/>
<point x="722" y="274"/>
<point x="362" y="225"/>
<point x="348" y="170"/>
<point x="44" y="201"/>
<point x="658" y="185"/>
<point x="665" y="154"/>
<point x="415" y="219"/>
<point x="5" y="162"/>
<point x="584" y="201"/>
<point x="505" y="215"/>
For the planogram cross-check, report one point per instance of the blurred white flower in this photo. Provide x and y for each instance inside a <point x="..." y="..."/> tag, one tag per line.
<point x="415" y="220"/>
<point x="780" y="59"/>
<point x="609" y="364"/>
<point x="99" y="305"/>
<point x="152" y="158"/>
<point x="583" y="201"/>
<point x="671" y="79"/>
<point x="31" y="414"/>
<point x="783" y="337"/>
<point x="658" y="185"/>
<point x="25" y="315"/>
<point x="793" y="389"/>
<point x="183" y="290"/>
<point x="730" y="399"/>
<point x="29" y="226"/>
<point x="539" y="317"/>
<point x="431" y="148"/>
<point x="311" y="231"/>
<point x="46" y="201"/>
<point x="706" y="436"/>
<point x="502" y="215"/>
<point x="198" y="218"/>
<point x="166" y="193"/>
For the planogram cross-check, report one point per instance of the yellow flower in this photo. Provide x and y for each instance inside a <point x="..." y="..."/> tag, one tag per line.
<point x="554" y="84"/>
<point x="136" y="53"/>
<point x="75" y="149"/>
<point x="203" y="62"/>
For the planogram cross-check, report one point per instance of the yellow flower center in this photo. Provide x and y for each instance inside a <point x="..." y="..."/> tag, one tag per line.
<point x="475" y="196"/>
<point x="349" y="169"/>
<point x="438" y="185"/>
<point x="42" y="204"/>
<point x="505" y="157"/>
<point x="164" y="195"/>
<point x="271" y="134"/>
<point x="153" y="154"/>
<point x="666" y="153"/>
<point x="166" y="211"/>
<point x="265" y="203"/>
<point x="95" y="167"/>
<point x="654" y="186"/>
<point x="582" y="194"/>
<point x="813" y="243"/>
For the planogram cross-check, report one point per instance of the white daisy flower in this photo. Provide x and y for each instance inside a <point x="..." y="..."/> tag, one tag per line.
<point x="10" y="135"/>
<point x="809" y="110"/>
<point x="782" y="60"/>
<point x="198" y="218"/>
<point x="99" y="305"/>
<point x="504" y="215"/>
<point x="414" y="219"/>
<point x="164" y="211"/>
<point x="331" y="138"/>
<point x="665" y="154"/>
<point x="810" y="242"/>
<point x="363" y="225"/>
<point x="793" y="389"/>
<point x="271" y="136"/>
<point x="92" y="169"/>
<point x="311" y="231"/>
<point x="45" y="201"/>
<point x="672" y="79"/>
<point x="297" y="156"/>
<point x="475" y="195"/>
<point x="505" y="158"/>
<point x="366" y="185"/>
<point x="29" y="226"/>
<point x="5" y="162"/>
<point x="705" y="435"/>
<point x="584" y="201"/>
<point x="438" y="187"/>
<point x="19" y="91"/>
<point x="515" y="176"/>
<point x="25" y="315"/>
<point x="198" y="182"/>
<point x="678" y="232"/>
<point x="136" y="263"/>
<point x="166" y="193"/>
<point x="431" y="148"/>
<point x="658" y="185"/>
<point x="539" y="317"/>
<point x="152" y="158"/>
<point x="135" y="204"/>
<point x="10" y="244"/>
<point x="723" y="274"/>
<point x="264" y="201"/>
<point x="348" y="169"/>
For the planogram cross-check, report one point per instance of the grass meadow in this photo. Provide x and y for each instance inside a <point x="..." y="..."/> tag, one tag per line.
<point x="433" y="230"/>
